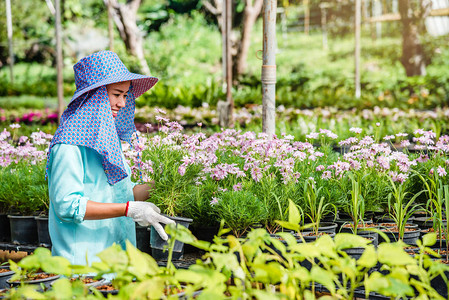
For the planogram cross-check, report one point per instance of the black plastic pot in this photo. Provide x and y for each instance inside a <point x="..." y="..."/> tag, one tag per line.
<point x="143" y="238"/>
<point x="357" y="252"/>
<point x="4" y="276"/>
<point x="23" y="229"/>
<point x="327" y="227"/>
<point x="203" y="233"/>
<point x="46" y="282"/>
<point x="440" y="285"/>
<point x="43" y="234"/>
<point x="410" y="237"/>
<point x="158" y="244"/>
<point x="425" y="222"/>
<point x="5" y="228"/>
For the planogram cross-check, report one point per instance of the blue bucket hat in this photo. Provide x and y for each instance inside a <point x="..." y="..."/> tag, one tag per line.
<point x="103" y="68"/>
<point x="88" y="120"/>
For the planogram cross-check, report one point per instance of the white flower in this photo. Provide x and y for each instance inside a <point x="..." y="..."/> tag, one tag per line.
<point x="355" y="130"/>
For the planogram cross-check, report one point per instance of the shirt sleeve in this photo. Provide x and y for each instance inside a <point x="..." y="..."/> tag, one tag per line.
<point x="66" y="187"/>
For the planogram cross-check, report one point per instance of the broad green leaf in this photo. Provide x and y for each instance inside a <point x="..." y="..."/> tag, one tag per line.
<point x="149" y="289"/>
<point x="57" y="265"/>
<point x="113" y="256"/>
<point x="307" y="250"/>
<point x="348" y="240"/>
<point x="30" y="292"/>
<point x="140" y="264"/>
<point x="368" y="258"/>
<point x="324" y="277"/>
<point x="263" y="295"/>
<point x="393" y="254"/>
<point x="289" y="225"/>
<point x="288" y="237"/>
<point x="62" y="288"/>
<point x="293" y="213"/>
<point x="429" y="239"/>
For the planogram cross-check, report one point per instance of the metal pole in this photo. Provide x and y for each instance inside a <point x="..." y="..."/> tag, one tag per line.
<point x="358" y="17"/>
<point x="9" y="30"/>
<point x="269" y="68"/>
<point x="229" y="99"/>
<point x="59" y="62"/>
<point x="110" y="26"/>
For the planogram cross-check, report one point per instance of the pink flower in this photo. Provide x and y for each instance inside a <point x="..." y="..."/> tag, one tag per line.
<point x="214" y="201"/>
<point x="441" y="171"/>
<point x="237" y="187"/>
<point x="160" y="111"/>
<point x="320" y="168"/>
<point x="182" y="170"/>
<point x="355" y="130"/>
<point x="326" y="175"/>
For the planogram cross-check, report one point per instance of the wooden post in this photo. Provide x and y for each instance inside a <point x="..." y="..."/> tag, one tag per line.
<point x="9" y="30"/>
<point x="324" y="7"/>
<point x="358" y="15"/>
<point x="269" y="68"/>
<point x="59" y="62"/>
<point x="110" y="26"/>
<point x="306" y="16"/>
<point x="229" y="99"/>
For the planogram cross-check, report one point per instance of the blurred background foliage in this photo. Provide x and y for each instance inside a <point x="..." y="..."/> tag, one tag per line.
<point x="182" y="45"/>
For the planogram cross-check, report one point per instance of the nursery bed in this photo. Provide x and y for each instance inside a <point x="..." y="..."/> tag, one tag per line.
<point x="14" y="247"/>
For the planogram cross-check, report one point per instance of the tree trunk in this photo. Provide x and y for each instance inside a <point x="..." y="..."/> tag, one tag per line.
<point x="125" y="17"/>
<point x="241" y="46"/>
<point x="412" y="20"/>
<point x="250" y="15"/>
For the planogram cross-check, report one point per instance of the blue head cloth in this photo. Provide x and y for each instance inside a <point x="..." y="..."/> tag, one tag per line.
<point x="88" y="120"/>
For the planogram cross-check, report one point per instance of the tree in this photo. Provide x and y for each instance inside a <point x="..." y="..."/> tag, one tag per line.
<point x="125" y="18"/>
<point x="413" y="14"/>
<point x="241" y="43"/>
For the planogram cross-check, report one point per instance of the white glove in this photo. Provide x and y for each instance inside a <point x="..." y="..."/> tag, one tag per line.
<point x="146" y="213"/>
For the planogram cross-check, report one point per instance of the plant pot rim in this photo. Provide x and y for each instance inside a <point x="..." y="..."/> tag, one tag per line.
<point x="54" y="277"/>
<point x="21" y="216"/>
<point x="181" y="219"/>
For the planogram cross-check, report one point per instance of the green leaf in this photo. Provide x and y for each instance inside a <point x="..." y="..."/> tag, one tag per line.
<point x="429" y="239"/>
<point x="288" y="225"/>
<point x="62" y="288"/>
<point x="140" y="264"/>
<point x="293" y="213"/>
<point x="57" y="265"/>
<point x="368" y="258"/>
<point x="393" y="254"/>
<point x="113" y="256"/>
<point x="348" y="240"/>
<point x="326" y="278"/>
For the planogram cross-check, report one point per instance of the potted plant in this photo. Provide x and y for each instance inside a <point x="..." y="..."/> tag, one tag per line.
<point x="401" y="208"/>
<point x="27" y="198"/>
<point x="240" y="210"/>
<point x="316" y="207"/>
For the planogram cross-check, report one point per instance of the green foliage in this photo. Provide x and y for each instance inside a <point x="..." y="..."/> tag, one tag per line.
<point x="240" y="210"/>
<point x="23" y="189"/>
<point x="257" y="267"/>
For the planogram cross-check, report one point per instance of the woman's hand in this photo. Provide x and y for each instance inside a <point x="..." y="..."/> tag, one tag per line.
<point x="142" y="191"/>
<point x="145" y="214"/>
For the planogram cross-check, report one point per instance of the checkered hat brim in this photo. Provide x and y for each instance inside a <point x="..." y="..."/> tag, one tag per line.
<point x="141" y="83"/>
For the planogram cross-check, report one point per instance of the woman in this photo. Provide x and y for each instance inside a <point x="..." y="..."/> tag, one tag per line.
<point x="93" y="202"/>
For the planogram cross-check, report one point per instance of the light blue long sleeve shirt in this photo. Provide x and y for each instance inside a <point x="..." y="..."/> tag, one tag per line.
<point x="76" y="175"/>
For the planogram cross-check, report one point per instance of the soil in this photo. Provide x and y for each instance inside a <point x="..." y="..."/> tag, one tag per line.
<point x="39" y="276"/>
<point x="4" y="270"/>
<point x="3" y="292"/>
<point x="313" y="234"/>
<point x="172" y="290"/>
<point x="86" y="280"/>
<point x="393" y="225"/>
<point x="362" y="225"/>
<point x="105" y="287"/>
<point x="395" y="229"/>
